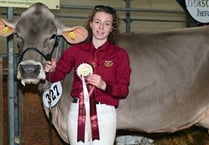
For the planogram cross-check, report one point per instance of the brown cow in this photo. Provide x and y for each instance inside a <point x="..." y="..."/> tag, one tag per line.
<point x="170" y="75"/>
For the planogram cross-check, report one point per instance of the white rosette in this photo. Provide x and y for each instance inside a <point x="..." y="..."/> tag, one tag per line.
<point x="83" y="70"/>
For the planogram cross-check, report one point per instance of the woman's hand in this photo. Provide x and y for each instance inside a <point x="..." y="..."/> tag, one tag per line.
<point x="50" y="66"/>
<point x="96" y="81"/>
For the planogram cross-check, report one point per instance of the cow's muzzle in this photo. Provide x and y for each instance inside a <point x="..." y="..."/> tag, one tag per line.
<point x="30" y="72"/>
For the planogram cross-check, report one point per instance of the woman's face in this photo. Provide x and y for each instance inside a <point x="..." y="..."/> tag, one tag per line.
<point x="101" y="25"/>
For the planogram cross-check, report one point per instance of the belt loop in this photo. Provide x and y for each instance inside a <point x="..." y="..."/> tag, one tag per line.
<point x="75" y="100"/>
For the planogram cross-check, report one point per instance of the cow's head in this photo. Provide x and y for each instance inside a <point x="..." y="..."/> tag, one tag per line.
<point x="37" y="32"/>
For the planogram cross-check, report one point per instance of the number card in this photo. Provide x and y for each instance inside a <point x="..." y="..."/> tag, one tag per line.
<point x="52" y="96"/>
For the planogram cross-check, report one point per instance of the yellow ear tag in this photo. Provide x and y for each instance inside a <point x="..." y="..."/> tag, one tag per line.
<point x="5" y="29"/>
<point x="71" y="35"/>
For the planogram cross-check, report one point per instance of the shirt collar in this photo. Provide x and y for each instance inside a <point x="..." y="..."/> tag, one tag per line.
<point x="90" y="46"/>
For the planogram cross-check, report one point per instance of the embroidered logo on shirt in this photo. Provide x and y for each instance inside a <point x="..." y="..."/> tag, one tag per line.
<point x="108" y="63"/>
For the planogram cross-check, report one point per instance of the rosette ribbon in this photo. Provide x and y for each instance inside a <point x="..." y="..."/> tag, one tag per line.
<point x="88" y="97"/>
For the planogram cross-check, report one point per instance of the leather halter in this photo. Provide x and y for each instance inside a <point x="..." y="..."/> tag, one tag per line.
<point x="47" y="57"/>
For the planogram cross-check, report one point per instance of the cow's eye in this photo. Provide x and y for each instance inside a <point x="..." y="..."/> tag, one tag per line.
<point x="50" y="42"/>
<point x="53" y="36"/>
<point x="17" y="35"/>
<point x="19" y="40"/>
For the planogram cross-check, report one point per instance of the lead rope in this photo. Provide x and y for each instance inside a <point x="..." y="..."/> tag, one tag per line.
<point x="50" y="127"/>
<point x="50" y="116"/>
<point x="50" y="108"/>
<point x="58" y="53"/>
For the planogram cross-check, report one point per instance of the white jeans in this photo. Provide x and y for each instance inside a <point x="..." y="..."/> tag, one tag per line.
<point x="106" y="120"/>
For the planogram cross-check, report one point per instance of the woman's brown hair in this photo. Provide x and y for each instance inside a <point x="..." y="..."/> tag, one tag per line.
<point x="113" y="36"/>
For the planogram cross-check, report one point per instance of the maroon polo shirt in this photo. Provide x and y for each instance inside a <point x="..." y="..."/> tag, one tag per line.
<point x="109" y="61"/>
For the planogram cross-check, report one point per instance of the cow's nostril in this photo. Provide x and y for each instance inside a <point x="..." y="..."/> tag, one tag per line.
<point x="30" y="69"/>
<point x="23" y="69"/>
<point x="37" y="69"/>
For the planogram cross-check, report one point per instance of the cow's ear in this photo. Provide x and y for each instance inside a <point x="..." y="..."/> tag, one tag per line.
<point x="75" y="34"/>
<point x="6" y="28"/>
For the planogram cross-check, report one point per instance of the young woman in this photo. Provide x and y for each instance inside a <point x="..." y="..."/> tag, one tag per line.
<point x="103" y="69"/>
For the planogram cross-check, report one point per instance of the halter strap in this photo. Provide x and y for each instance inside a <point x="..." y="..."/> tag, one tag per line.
<point x="47" y="57"/>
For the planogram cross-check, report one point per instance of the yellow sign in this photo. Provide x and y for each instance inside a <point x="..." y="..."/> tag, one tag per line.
<point x="52" y="4"/>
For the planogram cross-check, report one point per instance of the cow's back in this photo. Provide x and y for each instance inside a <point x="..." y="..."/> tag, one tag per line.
<point x="169" y="81"/>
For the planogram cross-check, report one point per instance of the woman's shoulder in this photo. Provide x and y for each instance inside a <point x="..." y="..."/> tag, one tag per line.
<point x="119" y="49"/>
<point x="77" y="46"/>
